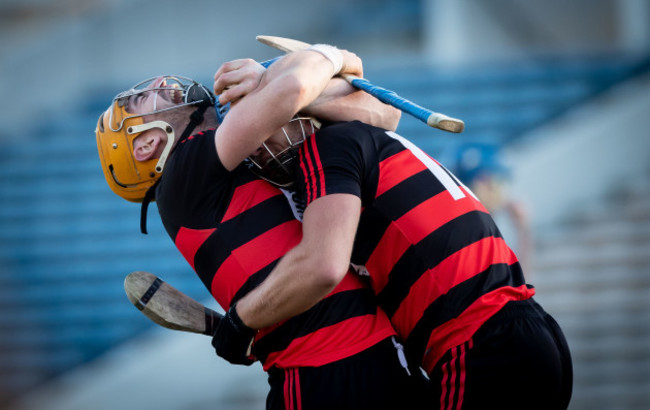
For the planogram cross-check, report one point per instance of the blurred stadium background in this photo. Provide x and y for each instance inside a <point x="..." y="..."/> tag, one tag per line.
<point x="559" y="89"/>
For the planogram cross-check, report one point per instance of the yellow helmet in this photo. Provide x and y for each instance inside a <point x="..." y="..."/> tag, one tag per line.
<point x="117" y="129"/>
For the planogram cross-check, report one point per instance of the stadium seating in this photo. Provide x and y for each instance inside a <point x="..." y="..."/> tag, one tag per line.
<point x="592" y="271"/>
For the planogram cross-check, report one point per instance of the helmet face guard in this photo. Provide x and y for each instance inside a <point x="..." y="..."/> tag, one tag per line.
<point x="118" y="127"/>
<point x="278" y="168"/>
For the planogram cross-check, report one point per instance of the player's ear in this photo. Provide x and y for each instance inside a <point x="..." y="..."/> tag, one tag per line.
<point x="146" y="146"/>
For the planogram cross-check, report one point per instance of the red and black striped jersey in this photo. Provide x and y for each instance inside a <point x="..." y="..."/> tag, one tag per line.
<point x="233" y="228"/>
<point x="435" y="258"/>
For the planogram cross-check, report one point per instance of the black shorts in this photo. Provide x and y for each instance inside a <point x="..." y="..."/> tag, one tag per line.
<point x="518" y="359"/>
<point x="373" y="379"/>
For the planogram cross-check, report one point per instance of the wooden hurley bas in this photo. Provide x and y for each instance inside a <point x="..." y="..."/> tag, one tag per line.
<point x="168" y="306"/>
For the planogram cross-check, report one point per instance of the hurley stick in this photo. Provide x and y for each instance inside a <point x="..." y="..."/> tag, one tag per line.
<point x="431" y="118"/>
<point x="168" y="306"/>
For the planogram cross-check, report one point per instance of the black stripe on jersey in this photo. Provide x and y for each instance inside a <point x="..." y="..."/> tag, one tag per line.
<point x="388" y="146"/>
<point x="430" y="251"/>
<point x="408" y="194"/>
<point x="329" y="311"/>
<point x="258" y="220"/>
<point x="372" y="226"/>
<point x="459" y="298"/>
<point x="254" y="281"/>
<point x="390" y="206"/>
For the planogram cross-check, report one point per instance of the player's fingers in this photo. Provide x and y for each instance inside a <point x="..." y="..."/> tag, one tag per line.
<point x="231" y="66"/>
<point x="352" y="64"/>
<point x="250" y="73"/>
<point x="238" y="83"/>
<point x="227" y="96"/>
<point x="251" y="76"/>
<point x="237" y="72"/>
<point x="235" y="92"/>
<point x="223" y="82"/>
<point x="221" y="77"/>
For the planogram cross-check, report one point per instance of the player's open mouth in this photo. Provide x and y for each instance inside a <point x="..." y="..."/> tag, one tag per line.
<point x="173" y="92"/>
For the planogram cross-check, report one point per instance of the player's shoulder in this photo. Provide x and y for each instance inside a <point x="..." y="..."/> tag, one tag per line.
<point x="197" y="147"/>
<point x="351" y="130"/>
<point x="348" y="126"/>
<point x="192" y="174"/>
<point x="199" y="139"/>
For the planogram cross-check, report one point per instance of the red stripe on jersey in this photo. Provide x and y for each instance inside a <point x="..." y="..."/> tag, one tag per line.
<point x="188" y="241"/>
<point x="271" y="245"/>
<point x="298" y="393"/>
<point x="456" y="382"/>
<point x="319" y="167"/>
<point x="313" y="171"/>
<point x="463" y="374"/>
<point x="307" y="168"/>
<point x="247" y="196"/>
<point x="351" y="281"/>
<point x="461" y="328"/>
<point x="390" y="248"/>
<point x="436" y="211"/>
<point x="226" y="282"/>
<point x="303" y="168"/>
<point x="443" y="385"/>
<point x="411" y="228"/>
<point x="396" y="169"/>
<point x="323" y="346"/>
<point x="292" y="395"/>
<point x="252" y="257"/>
<point x="452" y="391"/>
<point x="453" y="270"/>
<point x="292" y="380"/>
<point x="288" y="378"/>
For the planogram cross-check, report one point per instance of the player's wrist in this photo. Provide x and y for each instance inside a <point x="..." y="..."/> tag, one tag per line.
<point x="238" y="323"/>
<point x="233" y="340"/>
<point x="332" y="53"/>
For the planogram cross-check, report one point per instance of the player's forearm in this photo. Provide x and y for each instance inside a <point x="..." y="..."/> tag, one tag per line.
<point x="289" y="290"/>
<point x="313" y="71"/>
<point x="287" y="86"/>
<point x="340" y="101"/>
<point x="307" y="73"/>
<point x="311" y="270"/>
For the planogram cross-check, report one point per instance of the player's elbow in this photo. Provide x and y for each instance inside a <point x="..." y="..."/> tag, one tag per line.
<point x="329" y="274"/>
<point x="317" y="268"/>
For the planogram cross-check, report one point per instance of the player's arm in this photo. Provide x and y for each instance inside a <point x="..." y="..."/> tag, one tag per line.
<point x="285" y="88"/>
<point x="340" y="101"/>
<point x="304" y="276"/>
<point x="311" y="270"/>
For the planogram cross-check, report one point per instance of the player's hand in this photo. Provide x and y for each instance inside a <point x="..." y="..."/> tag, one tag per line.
<point x="237" y="78"/>
<point x="233" y="339"/>
<point x="352" y="64"/>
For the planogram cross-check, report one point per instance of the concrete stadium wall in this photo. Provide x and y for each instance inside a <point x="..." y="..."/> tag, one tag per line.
<point x="457" y="31"/>
<point x="581" y="157"/>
